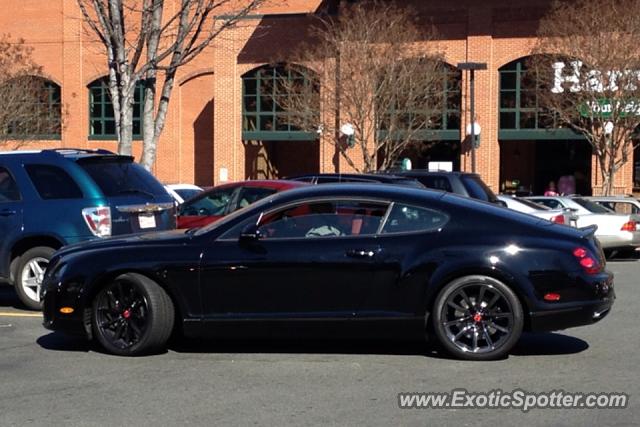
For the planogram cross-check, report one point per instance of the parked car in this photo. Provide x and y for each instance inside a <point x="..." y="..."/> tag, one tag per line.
<point x="350" y="259"/>
<point x="182" y="192"/>
<point x="332" y="178"/>
<point x="462" y="183"/>
<point x="52" y="198"/>
<point x="219" y="201"/>
<point x="615" y="231"/>
<point x="618" y="204"/>
<point x="559" y="216"/>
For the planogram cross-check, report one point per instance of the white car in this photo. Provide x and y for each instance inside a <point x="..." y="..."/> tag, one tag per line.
<point x="618" y="204"/>
<point x="615" y="231"/>
<point x="182" y="192"/>
<point x="559" y="216"/>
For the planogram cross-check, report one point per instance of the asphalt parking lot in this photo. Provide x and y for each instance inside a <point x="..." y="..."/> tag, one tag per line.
<point x="47" y="379"/>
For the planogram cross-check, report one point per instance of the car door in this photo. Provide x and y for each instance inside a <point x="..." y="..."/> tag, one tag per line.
<point x="408" y="243"/>
<point x="10" y="216"/>
<point x="314" y="259"/>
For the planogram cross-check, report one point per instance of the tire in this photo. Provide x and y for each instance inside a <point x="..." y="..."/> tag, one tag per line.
<point x="477" y="318"/>
<point x="132" y="316"/>
<point x="28" y="275"/>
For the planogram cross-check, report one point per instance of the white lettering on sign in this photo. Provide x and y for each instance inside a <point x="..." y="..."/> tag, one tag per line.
<point x="596" y="81"/>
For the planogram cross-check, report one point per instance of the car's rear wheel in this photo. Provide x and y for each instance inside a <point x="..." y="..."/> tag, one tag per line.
<point x="29" y="273"/>
<point x="132" y="315"/>
<point x="477" y="318"/>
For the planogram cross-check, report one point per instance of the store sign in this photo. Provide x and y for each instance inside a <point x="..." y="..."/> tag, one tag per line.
<point x="604" y="108"/>
<point x="595" y="81"/>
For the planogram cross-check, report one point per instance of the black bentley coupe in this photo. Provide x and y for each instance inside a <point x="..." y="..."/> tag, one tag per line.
<point x="358" y="260"/>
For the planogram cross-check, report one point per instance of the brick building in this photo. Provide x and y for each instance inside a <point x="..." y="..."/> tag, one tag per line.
<point x="220" y="128"/>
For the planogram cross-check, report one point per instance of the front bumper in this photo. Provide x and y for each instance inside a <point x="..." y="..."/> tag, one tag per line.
<point x="54" y="299"/>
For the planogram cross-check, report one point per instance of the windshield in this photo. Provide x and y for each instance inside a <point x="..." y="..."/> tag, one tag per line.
<point x="232" y="216"/>
<point x="187" y="193"/>
<point x="592" y="207"/>
<point x="477" y="188"/>
<point x="121" y="176"/>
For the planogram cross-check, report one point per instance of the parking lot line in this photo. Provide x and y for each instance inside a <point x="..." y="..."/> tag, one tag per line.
<point x="16" y="314"/>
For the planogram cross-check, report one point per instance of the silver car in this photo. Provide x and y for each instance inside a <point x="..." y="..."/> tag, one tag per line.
<point x="559" y="216"/>
<point x="615" y="231"/>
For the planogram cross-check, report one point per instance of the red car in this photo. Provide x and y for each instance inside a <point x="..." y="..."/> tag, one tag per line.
<point x="219" y="201"/>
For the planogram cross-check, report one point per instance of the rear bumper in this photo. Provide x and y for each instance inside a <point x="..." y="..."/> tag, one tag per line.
<point x="578" y="314"/>
<point x="623" y="239"/>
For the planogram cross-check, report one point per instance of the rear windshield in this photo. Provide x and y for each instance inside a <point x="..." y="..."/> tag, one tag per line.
<point x="477" y="188"/>
<point x="121" y="176"/>
<point x="533" y="205"/>
<point x="591" y="206"/>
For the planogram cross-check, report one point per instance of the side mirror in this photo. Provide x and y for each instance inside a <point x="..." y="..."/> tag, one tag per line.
<point x="249" y="235"/>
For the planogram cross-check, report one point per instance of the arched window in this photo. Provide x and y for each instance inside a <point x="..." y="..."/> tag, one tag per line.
<point x="263" y="117"/>
<point x="102" y="122"/>
<point x="36" y="109"/>
<point x="444" y="121"/>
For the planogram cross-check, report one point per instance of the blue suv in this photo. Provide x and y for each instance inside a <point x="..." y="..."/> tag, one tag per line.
<point x="53" y="198"/>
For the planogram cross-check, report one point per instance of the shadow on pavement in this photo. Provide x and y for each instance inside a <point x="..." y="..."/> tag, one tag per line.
<point x="60" y="342"/>
<point x="542" y="344"/>
<point x="548" y="344"/>
<point x="9" y="298"/>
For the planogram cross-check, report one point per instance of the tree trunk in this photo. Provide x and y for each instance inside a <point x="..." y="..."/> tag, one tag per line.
<point x="150" y="145"/>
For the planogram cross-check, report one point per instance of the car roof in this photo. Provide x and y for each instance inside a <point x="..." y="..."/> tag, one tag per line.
<point x="278" y="184"/>
<point x="370" y="176"/>
<point x="417" y="172"/>
<point x="63" y="153"/>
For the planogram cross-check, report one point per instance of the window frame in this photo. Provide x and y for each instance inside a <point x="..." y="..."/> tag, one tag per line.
<point x="271" y="74"/>
<point x="54" y="108"/>
<point x="103" y="85"/>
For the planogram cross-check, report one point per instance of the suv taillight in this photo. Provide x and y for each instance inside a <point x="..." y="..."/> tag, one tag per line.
<point x="629" y="226"/>
<point x="587" y="261"/>
<point x="558" y="219"/>
<point x="98" y="220"/>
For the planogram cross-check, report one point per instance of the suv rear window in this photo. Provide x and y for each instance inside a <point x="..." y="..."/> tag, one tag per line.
<point x="119" y="176"/>
<point x="52" y="182"/>
<point x="477" y="188"/>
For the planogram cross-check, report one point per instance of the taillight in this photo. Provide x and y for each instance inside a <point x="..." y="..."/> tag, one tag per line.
<point x="629" y="226"/>
<point x="98" y="220"/>
<point x="588" y="263"/>
<point x="558" y="219"/>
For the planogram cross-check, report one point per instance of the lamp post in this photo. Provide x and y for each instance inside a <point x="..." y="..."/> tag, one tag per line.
<point x="472" y="67"/>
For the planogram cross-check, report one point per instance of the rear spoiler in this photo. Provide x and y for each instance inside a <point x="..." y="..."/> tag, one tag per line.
<point x="588" y="231"/>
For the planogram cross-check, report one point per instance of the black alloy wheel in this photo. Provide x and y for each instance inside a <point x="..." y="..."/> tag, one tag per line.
<point x="132" y="315"/>
<point x="477" y="318"/>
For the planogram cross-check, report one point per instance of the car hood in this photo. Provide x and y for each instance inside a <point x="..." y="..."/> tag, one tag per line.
<point x="152" y="238"/>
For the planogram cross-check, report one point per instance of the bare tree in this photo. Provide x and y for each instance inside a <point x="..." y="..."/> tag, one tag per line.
<point x="26" y="110"/>
<point x="587" y="68"/>
<point x="148" y="39"/>
<point x="363" y="69"/>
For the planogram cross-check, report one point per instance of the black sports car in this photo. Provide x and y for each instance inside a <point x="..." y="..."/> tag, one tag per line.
<point x="338" y="259"/>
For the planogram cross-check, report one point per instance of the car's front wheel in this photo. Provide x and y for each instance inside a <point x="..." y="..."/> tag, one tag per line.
<point x="29" y="273"/>
<point x="477" y="318"/>
<point x="132" y="315"/>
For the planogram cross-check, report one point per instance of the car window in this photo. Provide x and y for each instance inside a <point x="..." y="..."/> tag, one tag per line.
<point x="8" y="188"/>
<point x="249" y="195"/>
<point x="620" y="207"/>
<point x="533" y="205"/>
<point x="213" y="203"/>
<point x="551" y="203"/>
<point x="436" y="182"/>
<point x="118" y="176"/>
<point x="591" y="206"/>
<point x="187" y="193"/>
<point x="412" y="219"/>
<point x="477" y="189"/>
<point x="320" y="219"/>
<point x="53" y="182"/>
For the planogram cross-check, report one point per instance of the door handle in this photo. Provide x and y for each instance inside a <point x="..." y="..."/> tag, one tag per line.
<point x="361" y="253"/>
<point x="7" y="212"/>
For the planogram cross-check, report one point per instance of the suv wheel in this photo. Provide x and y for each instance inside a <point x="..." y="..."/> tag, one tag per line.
<point x="29" y="274"/>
